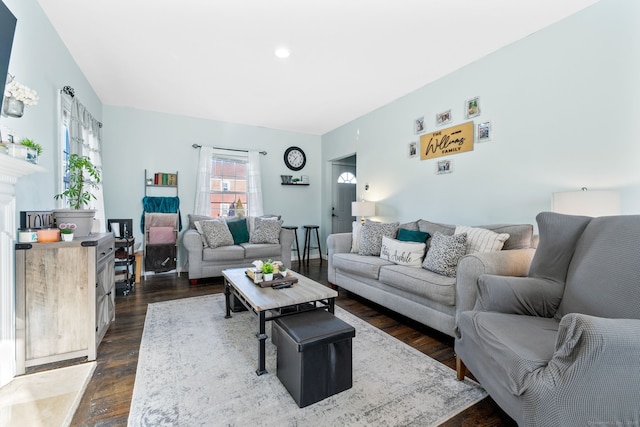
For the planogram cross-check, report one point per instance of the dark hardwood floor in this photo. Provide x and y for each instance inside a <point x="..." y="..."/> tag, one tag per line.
<point x="108" y="396"/>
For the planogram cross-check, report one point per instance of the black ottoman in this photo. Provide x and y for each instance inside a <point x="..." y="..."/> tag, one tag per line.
<point x="314" y="355"/>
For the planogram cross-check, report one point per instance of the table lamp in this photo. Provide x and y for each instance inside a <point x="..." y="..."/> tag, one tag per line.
<point x="589" y="203"/>
<point x="363" y="209"/>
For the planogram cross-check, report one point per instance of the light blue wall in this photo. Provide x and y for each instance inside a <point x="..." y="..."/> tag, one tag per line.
<point x="40" y="61"/>
<point x="564" y="108"/>
<point x="136" y="140"/>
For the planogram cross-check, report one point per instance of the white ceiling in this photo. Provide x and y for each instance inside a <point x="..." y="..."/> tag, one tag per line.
<point x="215" y="59"/>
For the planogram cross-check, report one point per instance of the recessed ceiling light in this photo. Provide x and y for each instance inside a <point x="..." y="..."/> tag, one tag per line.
<point x="282" y="52"/>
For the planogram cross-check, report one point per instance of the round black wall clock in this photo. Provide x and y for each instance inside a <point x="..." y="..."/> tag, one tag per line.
<point x="294" y="158"/>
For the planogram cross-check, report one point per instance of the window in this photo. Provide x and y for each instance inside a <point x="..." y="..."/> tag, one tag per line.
<point x="228" y="187"/>
<point x="347" y="178"/>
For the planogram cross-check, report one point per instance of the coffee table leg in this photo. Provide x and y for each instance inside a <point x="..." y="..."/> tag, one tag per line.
<point x="227" y="295"/>
<point x="332" y="305"/>
<point x="262" y="338"/>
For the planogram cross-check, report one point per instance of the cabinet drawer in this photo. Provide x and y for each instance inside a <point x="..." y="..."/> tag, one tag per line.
<point x="106" y="250"/>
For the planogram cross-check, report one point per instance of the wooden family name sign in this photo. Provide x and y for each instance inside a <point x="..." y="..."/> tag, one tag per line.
<point x="445" y="142"/>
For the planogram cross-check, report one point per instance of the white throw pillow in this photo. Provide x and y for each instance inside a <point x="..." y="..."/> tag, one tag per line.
<point x="481" y="239"/>
<point x="402" y="253"/>
<point x="356" y="235"/>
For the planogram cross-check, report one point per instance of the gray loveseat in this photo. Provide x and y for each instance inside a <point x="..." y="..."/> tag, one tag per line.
<point x="561" y="347"/>
<point x="422" y="295"/>
<point x="205" y="261"/>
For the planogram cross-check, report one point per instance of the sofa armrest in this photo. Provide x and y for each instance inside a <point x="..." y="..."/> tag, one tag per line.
<point x="514" y="262"/>
<point x="593" y="371"/>
<point x="192" y="241"/>
<point x="336" y="244"/>
<point x="286" y="240"/>
<point x="528" y="296"/>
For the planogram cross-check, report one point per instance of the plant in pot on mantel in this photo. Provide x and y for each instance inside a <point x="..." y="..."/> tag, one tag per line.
<point x="84" y="177"/>
<point x="66" y="231"/>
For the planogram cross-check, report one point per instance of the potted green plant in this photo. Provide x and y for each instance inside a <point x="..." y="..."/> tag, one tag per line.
<point x="84" y="177"/>
<point x="267" y="270"/>
<point x="33" y="150"/>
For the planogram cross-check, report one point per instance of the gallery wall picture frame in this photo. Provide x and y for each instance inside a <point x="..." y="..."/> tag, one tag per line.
<point x="443" y="118"/>
<point x="484" y="132"/>
<point x="444" y="167"/>
<point x="413" y="149"/>
<point x="418" y="125"/>
<point x="472" y="107"/>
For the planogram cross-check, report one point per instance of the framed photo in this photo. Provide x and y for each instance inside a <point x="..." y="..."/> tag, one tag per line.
<point x="413" y="149"/>
<point x="472" y="107"/>
<point x="443" y="118"/>
<point x="484" y="131"/>
<point x="444" y="166"/>
<point x="419" y="125"/>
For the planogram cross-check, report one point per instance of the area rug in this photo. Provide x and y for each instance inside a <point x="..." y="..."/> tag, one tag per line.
<point x="197" y="368"/>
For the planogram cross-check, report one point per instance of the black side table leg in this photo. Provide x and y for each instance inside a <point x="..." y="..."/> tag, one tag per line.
<point x="227" y="299"/>
<point x="262" y="338"/>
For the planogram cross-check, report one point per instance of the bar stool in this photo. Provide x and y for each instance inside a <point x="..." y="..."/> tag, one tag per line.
<point x="306" y="254"/>
<point x="295" y="233"/>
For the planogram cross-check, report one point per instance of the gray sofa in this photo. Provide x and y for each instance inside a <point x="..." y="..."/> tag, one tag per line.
<point x="422" y="295"/>
<point x="204" y="261"/>
<point x="561" y="347"/>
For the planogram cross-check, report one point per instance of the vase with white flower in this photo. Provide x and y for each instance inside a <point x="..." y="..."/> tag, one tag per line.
<point x="66" y="231"/>
<point x="16" y="96"/>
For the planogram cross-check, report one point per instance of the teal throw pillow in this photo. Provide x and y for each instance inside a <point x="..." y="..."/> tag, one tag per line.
<point x="239" y="231"/>
<point x="412" y="235"/>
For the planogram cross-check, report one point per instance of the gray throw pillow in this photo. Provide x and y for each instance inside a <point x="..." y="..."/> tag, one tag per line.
<point x="195" y="218"/>
<point x="444" y="253"/>
<point x="266" y="231"/>
<point x="216" y="233"/>
<point x="372" y="233"/>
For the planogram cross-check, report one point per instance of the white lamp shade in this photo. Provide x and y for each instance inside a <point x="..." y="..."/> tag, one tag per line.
<point x="588" y="203"/>
<point x="363" y="208"/>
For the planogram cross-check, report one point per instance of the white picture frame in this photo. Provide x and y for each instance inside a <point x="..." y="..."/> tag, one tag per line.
<point x="418" y="125"/>
<point x="472" y="107"/>
<point x="443" y="118"/>
<point x="413" y="149"/>
<point x="444" y="166"/>
<point x="484" y="132"/>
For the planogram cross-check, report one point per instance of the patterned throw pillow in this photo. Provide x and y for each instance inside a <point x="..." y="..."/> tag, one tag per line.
<point x="481" y="239"/>
<point x="402" y="253"/>
<point x="372" y="233"/>
<point x="444" y="253"/>
<point x="216" y="233"/>
<point x="266" y="231"/>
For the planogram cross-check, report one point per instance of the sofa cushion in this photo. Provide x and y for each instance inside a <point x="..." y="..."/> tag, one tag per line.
<point x="520" y="235"/>
<point x="239" y="230"/>
<point x="481" y="240"/>
<point x="356" y="236"/>
<point x="266" y="230"/>
<point x="223" y="253"/>
<point x="406" y="235"/>
<point x="361" y="265"/>
<point x="419" y="281"/>
<point x="402" y="253"/>
<point x="445" y="252"/>
<point x="255" y="251"/>
<point x="216" y="233"/>
<point x="372" y="233"/>
<point x="508" y="338"/>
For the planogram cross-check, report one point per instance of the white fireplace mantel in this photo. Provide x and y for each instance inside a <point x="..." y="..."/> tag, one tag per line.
<point x="10" y="170"/>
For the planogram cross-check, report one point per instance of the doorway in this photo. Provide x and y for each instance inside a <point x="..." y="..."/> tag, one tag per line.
<point x="343" y="192"/>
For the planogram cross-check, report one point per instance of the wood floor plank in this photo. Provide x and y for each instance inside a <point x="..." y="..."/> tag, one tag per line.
<point x="107" y="399"/>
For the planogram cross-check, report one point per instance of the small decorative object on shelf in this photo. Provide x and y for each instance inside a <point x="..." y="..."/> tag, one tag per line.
<point x="33" y="150"/>
<point x="66" y="231"/>
<point x="16" y="96"/>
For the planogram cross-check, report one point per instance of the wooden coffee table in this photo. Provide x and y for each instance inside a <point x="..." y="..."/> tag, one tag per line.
<point x="268" y="304"/>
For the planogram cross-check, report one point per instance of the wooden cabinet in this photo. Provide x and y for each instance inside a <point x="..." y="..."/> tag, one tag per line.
<point x="65" y="299"/>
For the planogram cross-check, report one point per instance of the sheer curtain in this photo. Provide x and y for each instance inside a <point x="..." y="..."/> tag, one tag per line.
<point x="254" y="185"/>
<point x="84" y="138"/>
<point x="203" y="183"/>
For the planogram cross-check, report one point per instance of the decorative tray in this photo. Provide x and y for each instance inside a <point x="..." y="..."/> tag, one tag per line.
<point x="277" y="279"/>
